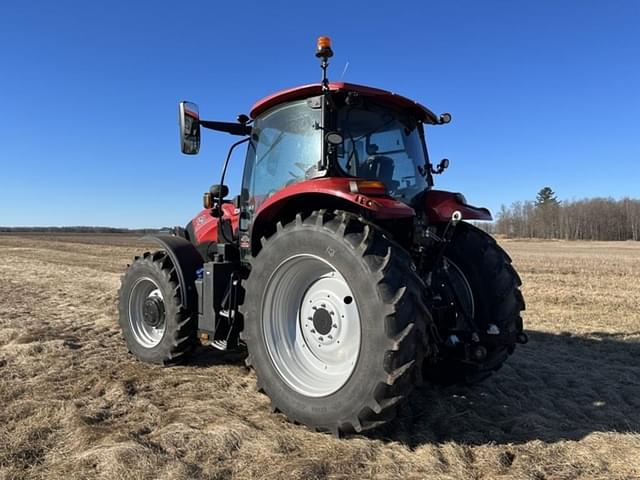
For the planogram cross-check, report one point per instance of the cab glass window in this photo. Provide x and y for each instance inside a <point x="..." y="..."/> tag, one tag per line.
<point x="383" y="144"/>
<point x="285" y="148"/>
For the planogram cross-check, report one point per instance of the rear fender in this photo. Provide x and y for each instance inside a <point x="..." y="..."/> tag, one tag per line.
<point x="332" y="193"/>
<point x="440" y="205"/>
<point x="186" y="260"/>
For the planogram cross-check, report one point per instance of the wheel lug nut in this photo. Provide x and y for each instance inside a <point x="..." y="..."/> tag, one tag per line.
<point x="334" y="326"/>
<point x="313" y="331"/>
<point x="320" y="338"/>
<point x="329" y="337"/>
<point x="309" y="318"/>
<point x="314" y="308"/>
<point x="332" y="313"/>
<point x="324" y="305"/>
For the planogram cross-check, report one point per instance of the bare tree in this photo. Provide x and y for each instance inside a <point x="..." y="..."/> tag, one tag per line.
<point x="586" y="219"/>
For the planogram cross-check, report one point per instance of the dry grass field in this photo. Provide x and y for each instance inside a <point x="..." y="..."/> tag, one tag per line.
<point x="75" y="405"/>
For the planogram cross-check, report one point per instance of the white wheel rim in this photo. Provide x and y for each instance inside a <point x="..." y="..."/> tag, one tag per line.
<point x="311" y="325"/>
<point x="145" y="334"/>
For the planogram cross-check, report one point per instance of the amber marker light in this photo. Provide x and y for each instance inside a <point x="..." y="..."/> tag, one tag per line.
<point x="368" y="187"/>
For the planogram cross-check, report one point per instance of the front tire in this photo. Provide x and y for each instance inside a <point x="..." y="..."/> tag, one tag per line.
<point x="334" y="323"/>
<point x="156" y="328"/>
<point x="489" y="287"/>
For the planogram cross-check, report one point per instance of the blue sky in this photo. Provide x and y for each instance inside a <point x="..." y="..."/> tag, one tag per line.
<point x="541" y="93"/>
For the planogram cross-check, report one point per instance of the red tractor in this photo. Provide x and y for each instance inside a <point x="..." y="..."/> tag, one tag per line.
<point x="342" y="272"/>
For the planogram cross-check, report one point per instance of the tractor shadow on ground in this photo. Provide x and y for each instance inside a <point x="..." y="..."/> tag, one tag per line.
<point x="556" y="387"/>
<point x="204" y="357"/>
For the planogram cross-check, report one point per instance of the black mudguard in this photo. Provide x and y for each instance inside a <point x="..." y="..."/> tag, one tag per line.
<point x="186" y="260"/>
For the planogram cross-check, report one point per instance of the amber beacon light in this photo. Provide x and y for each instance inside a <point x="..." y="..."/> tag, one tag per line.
<point x="323" y="47"/>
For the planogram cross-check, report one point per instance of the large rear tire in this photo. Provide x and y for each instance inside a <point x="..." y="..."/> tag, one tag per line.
<point x="155" y="326"/>
<point x="334" y="322"/>
<point x="483" y="273"/>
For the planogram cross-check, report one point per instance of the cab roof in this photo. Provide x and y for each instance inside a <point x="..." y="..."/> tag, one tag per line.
<point x="305" y="91"/>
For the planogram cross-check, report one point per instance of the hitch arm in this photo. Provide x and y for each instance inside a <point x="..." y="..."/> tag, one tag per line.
<point x="446" y="235"/>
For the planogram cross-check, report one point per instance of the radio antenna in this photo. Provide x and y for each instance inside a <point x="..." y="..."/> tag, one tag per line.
<point x="346" y="67"/>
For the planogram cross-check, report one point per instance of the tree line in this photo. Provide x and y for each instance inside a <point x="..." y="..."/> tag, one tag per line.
<point x="544" y="217"/>
<point x="586" y="219"/>
<point x="78" y="229"/>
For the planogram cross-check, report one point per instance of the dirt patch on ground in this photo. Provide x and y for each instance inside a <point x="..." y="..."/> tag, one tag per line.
<point x="74" y="404"/>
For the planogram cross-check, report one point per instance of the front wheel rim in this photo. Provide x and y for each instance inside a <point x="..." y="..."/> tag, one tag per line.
<point x="311" y="325"/>
<point x="146" y="312"/>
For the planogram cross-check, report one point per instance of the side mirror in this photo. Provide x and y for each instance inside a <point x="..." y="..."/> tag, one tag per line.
<point x="189" y="120"/>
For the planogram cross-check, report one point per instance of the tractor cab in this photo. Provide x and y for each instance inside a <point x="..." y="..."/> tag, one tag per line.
<point x="348" y="131"/>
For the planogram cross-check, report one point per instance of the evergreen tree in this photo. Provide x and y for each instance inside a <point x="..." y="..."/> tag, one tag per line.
<point x="547" y="214"/>
<point x="546" y="196"/>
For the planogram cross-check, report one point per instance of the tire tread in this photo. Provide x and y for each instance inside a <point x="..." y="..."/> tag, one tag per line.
<point x="406" y="315"/>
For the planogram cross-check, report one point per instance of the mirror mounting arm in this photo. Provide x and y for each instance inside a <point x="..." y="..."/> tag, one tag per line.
<point x="229" y="127"/>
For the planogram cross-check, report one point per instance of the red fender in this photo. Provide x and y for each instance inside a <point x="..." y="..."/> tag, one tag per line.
<point x="371" y="198"/>
<point x="374" y="199"/>
<point x="440" y="205"/>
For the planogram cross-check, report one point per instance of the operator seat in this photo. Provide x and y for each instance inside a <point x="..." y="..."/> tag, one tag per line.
<point x="380" y="167"/>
